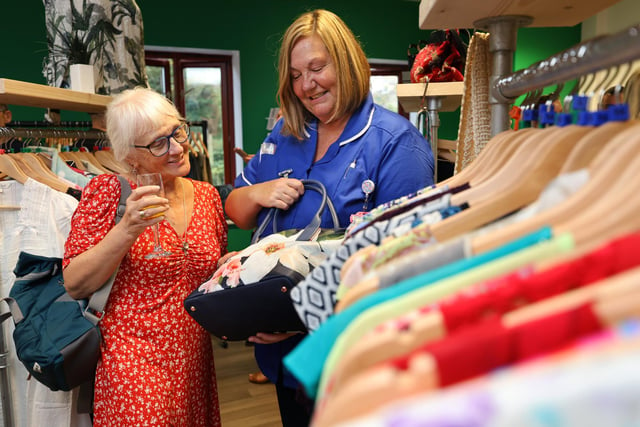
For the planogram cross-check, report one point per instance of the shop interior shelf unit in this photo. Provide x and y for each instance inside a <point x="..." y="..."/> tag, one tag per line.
<point x="442" y="14"/>
<point x="502" y="18"/>
<point x="438" y="97"/>
<point x="410" y="95"/>
<point x="36" y="95"/>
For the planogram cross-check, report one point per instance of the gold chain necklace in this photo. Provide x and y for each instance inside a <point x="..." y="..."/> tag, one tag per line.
<point x="185" y="243"/>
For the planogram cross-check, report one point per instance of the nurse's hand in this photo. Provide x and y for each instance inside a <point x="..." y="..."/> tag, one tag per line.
<point x="280" y="193"/>
<point x="265" y="338"/>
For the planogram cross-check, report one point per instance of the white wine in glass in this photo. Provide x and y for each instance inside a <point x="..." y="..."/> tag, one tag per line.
<point x="154" y="179"/>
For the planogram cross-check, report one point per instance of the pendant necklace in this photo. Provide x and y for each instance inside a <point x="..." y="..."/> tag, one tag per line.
<point x="185" y="244"/>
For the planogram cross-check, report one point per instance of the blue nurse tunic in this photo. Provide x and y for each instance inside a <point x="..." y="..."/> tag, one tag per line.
<point x="377" y="146"/>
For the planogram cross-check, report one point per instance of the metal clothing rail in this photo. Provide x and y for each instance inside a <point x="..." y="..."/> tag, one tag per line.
<point x="46" y="124"/>
<point x="44" y="129"/>
<point x="52" y="133"/>
<point x="584" y="58"/>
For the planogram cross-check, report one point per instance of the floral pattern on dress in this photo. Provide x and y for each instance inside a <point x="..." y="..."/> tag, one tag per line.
<point x="156" y="367"/>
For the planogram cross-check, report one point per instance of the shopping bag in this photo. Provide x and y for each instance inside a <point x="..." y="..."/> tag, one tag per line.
<point x="249" y="293"/>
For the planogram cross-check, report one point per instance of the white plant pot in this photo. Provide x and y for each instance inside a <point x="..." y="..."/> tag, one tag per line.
<point x="82" y="79"/>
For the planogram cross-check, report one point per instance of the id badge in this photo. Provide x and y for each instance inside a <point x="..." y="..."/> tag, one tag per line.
<point x="268" y="148"/>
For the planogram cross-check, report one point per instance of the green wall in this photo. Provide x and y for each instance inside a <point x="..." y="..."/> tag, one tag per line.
<point x="254" y="28"/>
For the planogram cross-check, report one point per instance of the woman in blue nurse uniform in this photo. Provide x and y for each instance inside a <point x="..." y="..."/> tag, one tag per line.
<point x="330" y="131"/>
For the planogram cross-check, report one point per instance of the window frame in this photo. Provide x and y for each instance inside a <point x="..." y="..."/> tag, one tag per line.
<point x="391" y="67"/>
<point x="229" y="64"/>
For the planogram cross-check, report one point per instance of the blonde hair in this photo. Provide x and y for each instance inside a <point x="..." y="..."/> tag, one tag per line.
<point x="133" y="114"/>
<point x="352" y="68"/>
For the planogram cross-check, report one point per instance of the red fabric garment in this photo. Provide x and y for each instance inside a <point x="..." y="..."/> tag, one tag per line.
<point x="483" y="347"/>
<point x="553" y="332"/>
<point x="508" y="292"/>
<point x="156" y="366"/>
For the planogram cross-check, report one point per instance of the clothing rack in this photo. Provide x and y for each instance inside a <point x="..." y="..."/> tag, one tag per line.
<point x="52" y="133"/>
<point x="45" y="124"/>
<point x="584" y="58"/>
<point x="44" y="129"/>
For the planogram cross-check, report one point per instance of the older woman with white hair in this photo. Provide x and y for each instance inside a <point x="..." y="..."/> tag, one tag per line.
<point x="156" y="366"/>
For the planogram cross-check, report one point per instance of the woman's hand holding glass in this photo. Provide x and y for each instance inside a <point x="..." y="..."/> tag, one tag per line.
<point x="153" y="210"/>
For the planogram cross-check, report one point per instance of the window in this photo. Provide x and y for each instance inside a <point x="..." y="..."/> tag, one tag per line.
<point x="201" y="84"/>
<point x="385" y="76"/>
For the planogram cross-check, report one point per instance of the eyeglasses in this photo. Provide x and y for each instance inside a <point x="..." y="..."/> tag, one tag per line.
<point x="160" y="146"/>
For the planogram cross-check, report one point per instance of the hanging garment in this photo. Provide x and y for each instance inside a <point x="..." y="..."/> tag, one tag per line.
<point x="307" y="360"/>
<point x="40" y="227"/>
<point x="314" y="297"/>
<point x="456" y="279"/>
<point x="590" y="384"/>
<point x="371" y="268"/>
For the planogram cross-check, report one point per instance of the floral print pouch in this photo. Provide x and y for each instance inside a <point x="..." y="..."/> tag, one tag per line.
<point x="249" y="293"/>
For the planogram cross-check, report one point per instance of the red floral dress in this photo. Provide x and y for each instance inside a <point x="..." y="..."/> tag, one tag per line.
<point x="156" y="367"/>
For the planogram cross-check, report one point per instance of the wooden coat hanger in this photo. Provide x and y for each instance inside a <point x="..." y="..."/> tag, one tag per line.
<point x="516" y="185"/>
<point x="199" y="142"/>
<point x="388" y="343"/>
<point x="70" y="156"/>
<point x="193" y="144"/>
<point x="37" y="162"/>
<point x="8" y="168"/>
<point x="500" y="157"/>
<point x="615" y="213"/>
<point x="35" y="169"/>
<point x="604" y="170"/>
<point x="591" y="144"/>
<point x="519" y="143"/>
<point x="108" y="161"/>
<point x="612" y="300"/>
<point x="90" y="158"/>
<point x="526" y="144"/>
<point x="12" y="169"/>
<point x="484" y="160"/>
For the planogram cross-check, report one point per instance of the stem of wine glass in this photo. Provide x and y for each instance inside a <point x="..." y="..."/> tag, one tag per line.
<point x="156" y="237"/>
<point x="158" y="250"/>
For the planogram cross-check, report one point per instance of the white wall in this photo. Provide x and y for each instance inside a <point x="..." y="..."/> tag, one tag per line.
<point x="616" y="18"/>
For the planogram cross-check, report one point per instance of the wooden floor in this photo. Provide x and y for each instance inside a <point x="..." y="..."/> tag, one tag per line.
<point x="243" y="404"/>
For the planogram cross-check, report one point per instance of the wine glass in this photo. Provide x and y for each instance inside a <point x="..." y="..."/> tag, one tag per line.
<point x="154" y="179"/>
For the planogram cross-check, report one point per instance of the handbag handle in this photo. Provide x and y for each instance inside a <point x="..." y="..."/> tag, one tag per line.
<point x="309" y="231"/>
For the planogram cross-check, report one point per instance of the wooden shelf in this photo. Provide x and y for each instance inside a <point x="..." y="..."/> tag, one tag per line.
<point x="35" y="95"/>
<point x="442" y="14"/>
<point x="410" y="95"/>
